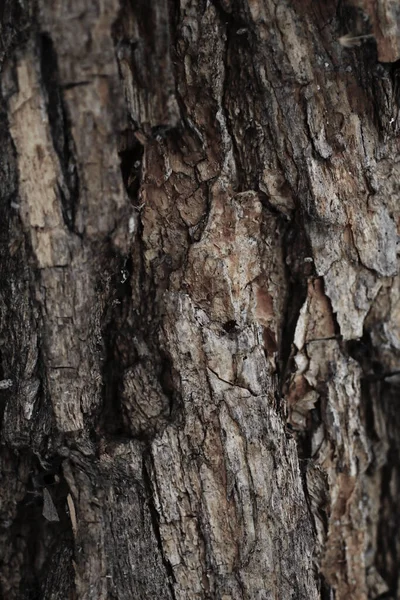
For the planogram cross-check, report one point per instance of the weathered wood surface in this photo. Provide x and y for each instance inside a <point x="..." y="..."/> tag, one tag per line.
<point x="199" y="299"/>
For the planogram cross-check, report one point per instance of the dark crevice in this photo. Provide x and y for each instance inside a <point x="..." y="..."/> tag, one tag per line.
<point x="241" y="185"/>
<point x="327" y="593"/>
<point x="142" y="39"/>
<point x="239" y="39"/>
<point x="42" y="537"/>
<point x="17" y="19"/>
<point x="111" y="422"/>
<point x="394" y="72"/>
<point x="375" y="389"/>
<point x="388" y="540"/>
<point x="70" y="86"/>
<point x="117" y="340"/>
<point x="268" y="205"/>
<point x="378" y="81"/>
<point x="60" y="130"/>
<point x="126" y="330"/>
<point x="169" y="381"/>
<point x="296" y="247"/>
<point x="131" y="322"/>
<point x="131" y="155"/>
<point x="155" y="520"/>
<point x="362" y="351"/>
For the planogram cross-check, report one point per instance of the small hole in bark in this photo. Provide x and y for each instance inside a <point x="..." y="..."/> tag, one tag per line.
<point x="130" y="155"/>
<point x="49" y="479"/>
<point x="360" y="350"/>
<point x="230" y="326"/>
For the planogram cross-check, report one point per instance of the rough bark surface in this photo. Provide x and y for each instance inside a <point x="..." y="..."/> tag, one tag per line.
<point x="199" y="300"/>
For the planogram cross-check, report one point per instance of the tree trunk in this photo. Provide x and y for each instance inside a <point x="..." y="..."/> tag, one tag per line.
<point x="199" y="300"/>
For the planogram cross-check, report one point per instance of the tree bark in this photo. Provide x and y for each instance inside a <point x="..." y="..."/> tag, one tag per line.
<point x="199" y="300"/>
